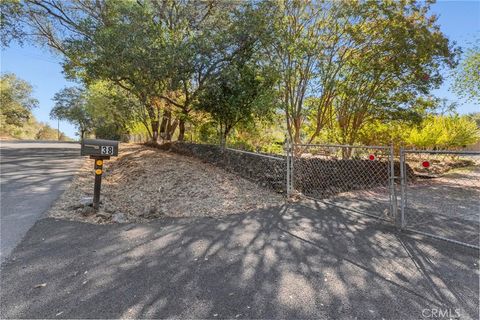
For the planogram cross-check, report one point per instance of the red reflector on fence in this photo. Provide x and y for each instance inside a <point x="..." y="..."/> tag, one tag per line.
<point x="371" y="157"/>
<point x="426" y="164"/>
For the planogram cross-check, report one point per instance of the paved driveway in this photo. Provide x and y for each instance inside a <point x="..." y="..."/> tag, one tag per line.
<point x="294" y="262"/>
<point x="33" y="175"/>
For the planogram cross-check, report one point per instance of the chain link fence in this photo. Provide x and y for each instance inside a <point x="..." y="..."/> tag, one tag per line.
<point x="358" y="178"/>
<point x="443" y="198"/>
<point x="438" y="191"/>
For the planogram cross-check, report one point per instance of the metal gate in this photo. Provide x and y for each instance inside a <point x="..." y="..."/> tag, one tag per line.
<point x="440" y="194"/>
<point x="439" y="189"/>
<point x="357" y="178"/>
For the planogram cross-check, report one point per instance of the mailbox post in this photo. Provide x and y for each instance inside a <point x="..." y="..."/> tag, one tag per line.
<point x="98" y="150"/>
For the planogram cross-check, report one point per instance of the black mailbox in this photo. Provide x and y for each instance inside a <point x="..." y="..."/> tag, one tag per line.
<point x="99" y="148"/>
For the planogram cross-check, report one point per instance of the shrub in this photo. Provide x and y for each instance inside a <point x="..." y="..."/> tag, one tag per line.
<point x="444" y="132"/>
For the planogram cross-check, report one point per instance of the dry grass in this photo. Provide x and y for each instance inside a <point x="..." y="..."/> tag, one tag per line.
<point x="145" y="183"/>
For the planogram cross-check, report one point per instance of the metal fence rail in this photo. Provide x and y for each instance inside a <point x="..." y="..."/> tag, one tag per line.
<point x="442" y="200"/>
<point x="358" y="178"/>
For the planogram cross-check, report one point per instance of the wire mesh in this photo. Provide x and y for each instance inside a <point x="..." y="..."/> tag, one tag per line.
<point x="442" y="198"/>
<point x="358" y="178"/>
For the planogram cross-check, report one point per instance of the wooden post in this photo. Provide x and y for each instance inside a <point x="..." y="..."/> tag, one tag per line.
<point x="98" y="167"/>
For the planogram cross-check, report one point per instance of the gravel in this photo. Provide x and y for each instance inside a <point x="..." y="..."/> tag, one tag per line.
<point x="146" y="183"/>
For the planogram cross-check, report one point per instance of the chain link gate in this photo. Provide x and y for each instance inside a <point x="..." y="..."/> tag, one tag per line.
<point x="357" y="178"/>
<point x="440" y="194"/>
<point x="439" y="189"/>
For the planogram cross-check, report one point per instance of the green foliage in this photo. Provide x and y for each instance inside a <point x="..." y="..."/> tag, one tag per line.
<point x="444" y="132"/>
<point x="467" y="76"/>
<point x="261" y="136"/>
<point x="16" y="100"/>
<point x="384" y="133"/>
<point x="16" y="119"/>
<point x="475" y="116"/>
<point x="33" y="130"/>
<point x="362" y="61"/>
<point x="113" y="110"/>
<point x="343" y="72"/>
<point x="154" y="51"/>
<point x="71" y="105"/>
<point x="392" y="65"/>
<point x="293" y="41"/>
<point x="238" y="94"/>
<point x="102" y="109"/>
<point x="208" y="133"/>
<point x="10" y="26"/>
<point x="48" y="133"/>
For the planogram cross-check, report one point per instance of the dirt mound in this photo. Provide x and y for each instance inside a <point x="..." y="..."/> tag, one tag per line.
<point x="145" y="183"/>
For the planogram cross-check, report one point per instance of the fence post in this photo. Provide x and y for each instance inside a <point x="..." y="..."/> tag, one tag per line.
<point x="402" y="187"/>
<point x="393" y="195"/>
<point x="289" y="158"/>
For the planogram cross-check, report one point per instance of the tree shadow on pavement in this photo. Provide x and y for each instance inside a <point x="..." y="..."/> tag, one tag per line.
<point x="286" y="262"/>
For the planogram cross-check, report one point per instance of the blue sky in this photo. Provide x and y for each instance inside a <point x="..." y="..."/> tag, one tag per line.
<point x="459" y="20"/>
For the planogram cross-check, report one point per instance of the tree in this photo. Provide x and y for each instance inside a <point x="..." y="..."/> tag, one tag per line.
<point x="117" y="41"/>
<point x="113" y="111"/>
<point x="16" y="99"/>
<point x="383" y="133"/>
<point x="337" y="65"/>
<point x="71" y="105"/>
<point x="16" y="118"/>
<point x="158" y="51"/>
<point x="391" y="77"/>
<point x="360" y="60"/>
<point x="16" y="105"/>
<point x="207" y="36"/>
<point x="294" y="42"/>
<point x="467" y="77"/>
<point x="138" y="45"/>
<point x="238" y="94"/>
<point x="10" y="27"/>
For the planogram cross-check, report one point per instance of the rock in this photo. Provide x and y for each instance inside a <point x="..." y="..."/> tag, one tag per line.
<point x="83" y="203"/>
<point x="86" y="202"/>
<point x="119" y="217"/>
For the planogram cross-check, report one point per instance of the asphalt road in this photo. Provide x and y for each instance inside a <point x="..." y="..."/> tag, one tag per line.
<point x="285" y="263"/>
<point x="33" y="175"/>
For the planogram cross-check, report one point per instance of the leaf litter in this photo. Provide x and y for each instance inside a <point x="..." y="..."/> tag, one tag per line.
<point x="147" y="183"/>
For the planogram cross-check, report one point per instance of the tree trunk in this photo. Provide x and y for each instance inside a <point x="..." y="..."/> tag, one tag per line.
<point x="181" y="128"/>
<point x="155" y="126"/>
<point x="171" y="126"/>
<point x="163" y="125"/>
<point x="346" y="153"/>
<point x="297" y="125"/>
<point x="223" y="140"/>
